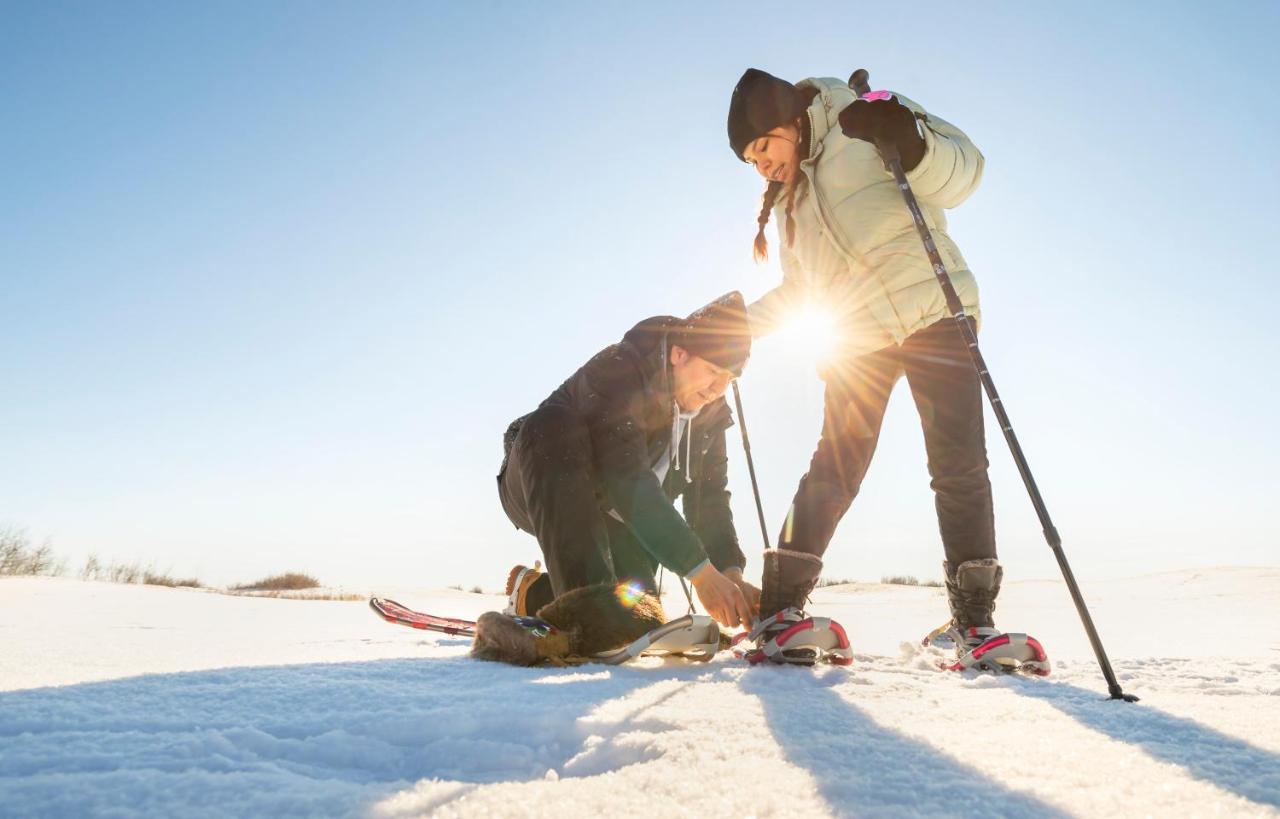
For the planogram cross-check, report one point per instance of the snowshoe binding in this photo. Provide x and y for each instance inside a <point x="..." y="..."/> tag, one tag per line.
<point x="791" y="636"/>
<point x="785" y="634"/>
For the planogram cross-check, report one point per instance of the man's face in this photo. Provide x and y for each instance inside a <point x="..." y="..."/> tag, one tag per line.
<point x="696" y="381"/>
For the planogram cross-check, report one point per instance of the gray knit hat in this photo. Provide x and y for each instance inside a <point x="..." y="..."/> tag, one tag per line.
<point x="718" y="332"/>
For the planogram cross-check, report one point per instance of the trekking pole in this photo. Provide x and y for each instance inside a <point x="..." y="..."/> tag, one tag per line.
<point x="751" y="466"/>
<point x="859" y="82"/>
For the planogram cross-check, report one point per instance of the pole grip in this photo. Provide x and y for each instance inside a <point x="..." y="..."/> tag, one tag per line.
<point x="860" y="82"/>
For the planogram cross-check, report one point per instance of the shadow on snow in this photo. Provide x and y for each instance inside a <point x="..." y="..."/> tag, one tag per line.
<point x="300" y="739"/>
<point x="862" y="768"/>
<point x="1229" y="763"/>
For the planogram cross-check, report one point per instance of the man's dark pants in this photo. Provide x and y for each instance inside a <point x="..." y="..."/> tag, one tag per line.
<point x="548" y="488"/>
<point x="948" y="397"/>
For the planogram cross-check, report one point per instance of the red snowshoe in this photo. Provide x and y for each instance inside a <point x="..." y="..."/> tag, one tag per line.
<point x="791" y="636"/>
<point x="989" y="649"/>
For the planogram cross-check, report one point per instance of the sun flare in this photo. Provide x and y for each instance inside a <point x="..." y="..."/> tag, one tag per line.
<point x="811" y="331"/>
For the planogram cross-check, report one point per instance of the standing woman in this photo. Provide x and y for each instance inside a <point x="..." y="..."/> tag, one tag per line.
<point x="847" y="241"/>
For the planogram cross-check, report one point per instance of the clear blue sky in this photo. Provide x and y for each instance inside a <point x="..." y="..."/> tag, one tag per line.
<point x="274" y="277"/>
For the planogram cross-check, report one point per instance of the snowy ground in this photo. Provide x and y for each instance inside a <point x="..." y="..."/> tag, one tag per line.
<point x="122" y="700"/>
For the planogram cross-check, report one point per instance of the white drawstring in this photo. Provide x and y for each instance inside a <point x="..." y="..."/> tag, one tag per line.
<point x="688" y="451"/>
<point x="675" y="435"/>
<point x="675" y="461"/>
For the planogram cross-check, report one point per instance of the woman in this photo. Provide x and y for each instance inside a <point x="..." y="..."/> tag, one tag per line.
<point x="848" y="241"/>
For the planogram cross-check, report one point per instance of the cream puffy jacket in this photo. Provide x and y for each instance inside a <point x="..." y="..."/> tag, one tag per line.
<point x="856" y="251"/>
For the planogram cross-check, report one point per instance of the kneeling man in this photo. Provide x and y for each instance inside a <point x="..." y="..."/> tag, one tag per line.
<point x="593" y="474"/>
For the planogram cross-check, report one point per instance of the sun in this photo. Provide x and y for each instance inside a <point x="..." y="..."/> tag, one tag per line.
<point x="810" y="332"/>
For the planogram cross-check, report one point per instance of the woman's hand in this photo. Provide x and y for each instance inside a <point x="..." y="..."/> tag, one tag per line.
<point x="721" y="597"/>
<point x="885" y="120"/>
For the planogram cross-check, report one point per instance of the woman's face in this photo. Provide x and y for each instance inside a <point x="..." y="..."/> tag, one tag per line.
<point x="774" y="154"/>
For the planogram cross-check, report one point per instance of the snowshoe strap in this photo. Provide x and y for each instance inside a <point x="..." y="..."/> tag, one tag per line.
<point x="935" y="637"/>
<point x="775" y="623"/>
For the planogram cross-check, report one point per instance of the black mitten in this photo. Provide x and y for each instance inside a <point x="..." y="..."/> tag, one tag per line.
<point x="886" y="120"/>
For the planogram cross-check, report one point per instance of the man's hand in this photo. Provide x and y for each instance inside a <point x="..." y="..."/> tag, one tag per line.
<point x="750" y="592"/>
<point x="721" y="597"/>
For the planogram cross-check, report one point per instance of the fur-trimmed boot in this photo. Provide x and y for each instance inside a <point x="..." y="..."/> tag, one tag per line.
<point x="583" y="622"/>
<point x="972" y="588"/>
<point x="519" y="641"/>
<point x="789" y="577"/>
<point x="784" y="633"/>
<point x="603" y="617"/>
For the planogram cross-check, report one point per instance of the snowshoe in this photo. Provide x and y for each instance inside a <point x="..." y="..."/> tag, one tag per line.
<point x="526" y="640"/>
<point x="530" y="641"/>
<point x="791" y="636"/>
<point x="988" y="649"/>
<point x="400" y="614"/>
<point x="694" y="636"/>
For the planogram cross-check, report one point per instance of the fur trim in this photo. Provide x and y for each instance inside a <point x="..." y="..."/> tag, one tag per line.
<point x="501" y="639"/>
<point x="596" y="619"/>
<point x="797" y="557"/>
<point x="985" y="562"/>
<point x="788" y="578"/>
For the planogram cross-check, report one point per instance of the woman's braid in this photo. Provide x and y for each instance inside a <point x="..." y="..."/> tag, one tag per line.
<point x="761" y="248"/>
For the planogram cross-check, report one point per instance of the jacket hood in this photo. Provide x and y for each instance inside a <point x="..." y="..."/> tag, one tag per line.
<point x="649" y="340"/>
<point x="646" y="337"/>
<point x="824" y="112"/>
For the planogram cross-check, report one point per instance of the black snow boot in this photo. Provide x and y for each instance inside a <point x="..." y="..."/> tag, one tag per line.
<point x="971" y="589"/>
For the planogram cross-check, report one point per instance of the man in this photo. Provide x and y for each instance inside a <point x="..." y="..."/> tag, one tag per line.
<point x="594" y="471"/>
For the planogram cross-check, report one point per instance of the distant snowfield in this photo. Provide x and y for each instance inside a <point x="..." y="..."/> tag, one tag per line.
<point x="129" y="700"/>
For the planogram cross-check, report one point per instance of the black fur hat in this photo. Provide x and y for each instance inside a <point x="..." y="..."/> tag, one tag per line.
<point x="760" y="103"/>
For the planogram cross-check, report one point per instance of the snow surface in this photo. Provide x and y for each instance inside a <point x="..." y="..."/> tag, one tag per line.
<point x="127" y="700"/>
